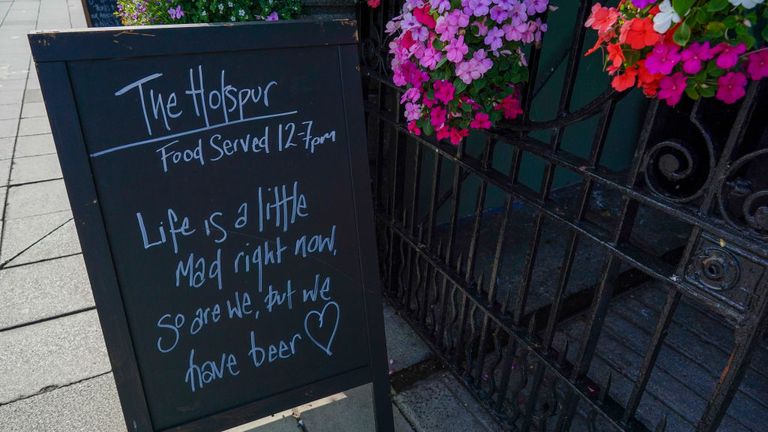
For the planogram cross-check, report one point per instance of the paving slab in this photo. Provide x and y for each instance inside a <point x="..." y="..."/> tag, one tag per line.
<point x="62" y="242"/>
<point x="5" y="169"/>
<point x="34" y="126"/>
<point x="6" y="148"/>
<point x="88" y="406"/>
<point x="404" y="347"/>
<point x="34" y="145"/>
<point x="10" y="96"/>
<point x="37" y="199"/>
<point x="352" y="411"/>
<point x="50" y="354"/>
<point x="9" y="111"/>
<point x="33" y="109"/>
<point x="8" y="127"/>
<point x="440" y="403"/>
<point x="35" y="169"/>
<point x="33" y="95"/>
<point x="21" y="234"/>
<point x="43" y="290"/>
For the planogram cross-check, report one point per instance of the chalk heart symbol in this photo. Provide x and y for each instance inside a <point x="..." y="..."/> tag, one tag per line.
<point x="321" y="326"/>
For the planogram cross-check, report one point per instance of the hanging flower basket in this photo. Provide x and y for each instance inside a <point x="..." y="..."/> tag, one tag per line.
<point x="461" y="62"/>
<point x="703" y="48"/>
<point x="151" y="12"/>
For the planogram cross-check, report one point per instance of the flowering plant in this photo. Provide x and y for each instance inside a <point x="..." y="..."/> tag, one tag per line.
<point x="461" y="61"/>
<point x="146" y="12"/>
<point x="702" y="48"/>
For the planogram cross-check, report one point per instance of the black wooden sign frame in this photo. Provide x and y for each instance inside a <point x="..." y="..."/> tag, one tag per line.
<point x="53" y="50"/>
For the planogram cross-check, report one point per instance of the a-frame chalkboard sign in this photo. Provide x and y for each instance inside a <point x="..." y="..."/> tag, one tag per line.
<point x="219" y="181"/>
<point x="100" y="13"/>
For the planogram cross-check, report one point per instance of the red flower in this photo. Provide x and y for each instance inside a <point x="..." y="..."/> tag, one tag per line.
<point x="625" y="80"/>
<point x="646" y="80"/>
<point x="638" y="33"/>
<point x="422" y="15"/>
<point x="457" y="135"/>
<point x="602" y="18"/>
<point x="615" y="57"/>
<point x="510" y="105"/>
<point x="374" y="3"/>
<point x="412" y="128"/>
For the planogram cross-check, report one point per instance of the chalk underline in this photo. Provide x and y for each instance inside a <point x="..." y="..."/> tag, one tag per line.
<point x="189" y="132"/>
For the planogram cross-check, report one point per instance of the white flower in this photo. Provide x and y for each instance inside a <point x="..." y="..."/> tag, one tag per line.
<point x="748" y="4"/>
<point x="230" y="4"/>
<point x="666" y="16"/>
<point x="241" y="12"/>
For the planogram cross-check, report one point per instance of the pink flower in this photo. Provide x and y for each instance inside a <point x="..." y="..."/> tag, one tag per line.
<point x="730" y="87"/>
<point x="662" y="59"/>
<point x="411" y="95"/>
<point x="536" y="6"/>
<point x="499" y="14"/>
<point x="481" y="121"/>
<point x="440" y="5"/>
<point x="373" y="4"/>
<point x="758" y="65"/>
<point x="443" y="133"/>
<point x="494" y="38"/>
<point x="474" y="68"/>
<point x="412" y="111"/>
<point x="448" y="25"/>
<point x="510" y="106"/>
<point x="477" y="8"/>
<point x="456" y="50"/>
<point x="671" y="88"/>
<point x="728" y="55"/>
<point x="273" y="17"/>
<point x="444" y="91"/>
<point x="430" y="58"/>
<point x="437" y="117"/>
<point x="694" y="55"/>
<point x="412" y="74"/>
<point x="515" y="32"/>
<point x="413" y="128"/>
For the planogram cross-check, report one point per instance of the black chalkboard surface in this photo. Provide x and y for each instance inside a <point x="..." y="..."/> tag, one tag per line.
<point x="100" y="13"/>
<point x="219" y="181"/>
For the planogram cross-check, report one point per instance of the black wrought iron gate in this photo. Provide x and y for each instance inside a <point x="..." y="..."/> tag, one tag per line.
<point x="569" y="293"/>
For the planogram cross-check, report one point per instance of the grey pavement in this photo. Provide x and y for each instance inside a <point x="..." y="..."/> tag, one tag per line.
<point x="55" y="374"/>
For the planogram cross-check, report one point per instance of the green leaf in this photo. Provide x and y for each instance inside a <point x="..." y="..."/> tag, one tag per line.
<point x="459" y="85"/>
<point x="682" y="6"/>
<point x="717" y="5"/>
<point x="731" y="21"/>
<point x="691" y="92"/>
<point x="427" y="128"/>
<point x="764" y="33"/>
<point x="707" y="91"/>
<point x="702" y="17"/>
<point x="682" y="35"/>
<point x="438" y="44"/>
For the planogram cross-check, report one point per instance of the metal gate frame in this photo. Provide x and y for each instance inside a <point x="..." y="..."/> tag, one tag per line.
<point x="457" y="309"/>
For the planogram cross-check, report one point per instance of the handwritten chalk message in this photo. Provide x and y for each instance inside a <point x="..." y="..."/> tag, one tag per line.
<point x="230" y="209"/>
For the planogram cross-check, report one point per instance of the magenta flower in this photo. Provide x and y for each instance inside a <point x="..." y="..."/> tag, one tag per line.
<point x="694" y="55"/>
<point x="642" y="3"/>
<point x="758" y="65"/>
<point x="662" y="59"/>
<point x="728" y="55"/>
<point x="456" y="50"/>
<point x="481" y="121"/>
<point x="494" y="38"/>
<point x="444" y="91"/>
<point x="176" y="13"/>
<point x="273" y="17"/>
<point x="413" y="128"/>
<point x="438" y="116"/>
<point x="730" y="87"/>
<point x="671" y="88"/>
